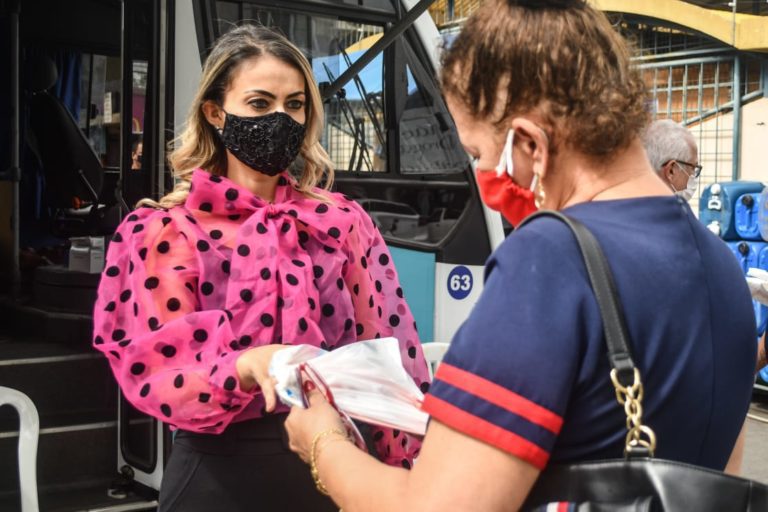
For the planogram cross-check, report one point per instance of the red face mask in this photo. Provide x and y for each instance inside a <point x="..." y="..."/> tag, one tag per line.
<point x="505" y="196"/>
<point x="501" y="193"/>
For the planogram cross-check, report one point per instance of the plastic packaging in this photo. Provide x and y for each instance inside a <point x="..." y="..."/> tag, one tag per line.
<point x="757" y="279"/>
<point x="762" y="214"/>
<point x="365" y="380"/>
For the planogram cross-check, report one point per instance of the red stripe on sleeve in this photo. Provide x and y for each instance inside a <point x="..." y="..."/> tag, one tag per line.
<point x="478" y="428"/>
<point x="500" y="396"/>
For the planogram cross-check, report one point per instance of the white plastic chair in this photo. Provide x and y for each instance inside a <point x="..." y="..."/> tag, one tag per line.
<point x="29" y="431"/>
<point x="433" y="353"/>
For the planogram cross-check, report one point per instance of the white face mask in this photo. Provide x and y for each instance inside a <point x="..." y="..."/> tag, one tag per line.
<point x="691" y="187"/>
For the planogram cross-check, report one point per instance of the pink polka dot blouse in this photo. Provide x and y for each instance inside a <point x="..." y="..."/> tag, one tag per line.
<point x="185" y="290"/>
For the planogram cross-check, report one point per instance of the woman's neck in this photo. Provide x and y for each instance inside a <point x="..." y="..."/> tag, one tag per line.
<point x="581" y="179"/>
<point x="260" y="184"/>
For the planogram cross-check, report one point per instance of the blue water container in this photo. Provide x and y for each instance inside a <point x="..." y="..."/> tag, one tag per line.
<point x="717" y="207"/>
<point x="747" y="207"/>
<point x="763" y="376"/>
<point x="762" y="214"/>
<point x="748" y="253"/>
<point x="762" y="258"/>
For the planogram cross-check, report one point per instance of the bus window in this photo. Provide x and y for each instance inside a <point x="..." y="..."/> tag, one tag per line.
<point x="429" y="143"/>
<point x="137" y="172"/>
<point x="431" y="156"/>
<point x="428" y="196"/>
<point x="354" y="135"/>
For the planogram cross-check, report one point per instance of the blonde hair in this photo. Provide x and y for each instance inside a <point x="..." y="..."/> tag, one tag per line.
<point x="199" y="146"/>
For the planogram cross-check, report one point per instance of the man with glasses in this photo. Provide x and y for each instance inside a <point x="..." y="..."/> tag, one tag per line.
<point x="673" y="154"/>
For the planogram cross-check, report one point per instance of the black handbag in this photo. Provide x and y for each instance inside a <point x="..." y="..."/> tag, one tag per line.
<point x="638" y="482"/>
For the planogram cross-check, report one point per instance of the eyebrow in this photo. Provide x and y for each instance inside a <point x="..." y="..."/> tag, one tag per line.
<point x="270" y="95"/>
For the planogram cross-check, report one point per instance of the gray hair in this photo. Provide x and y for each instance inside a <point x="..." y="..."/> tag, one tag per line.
<point x="666" y="140"/>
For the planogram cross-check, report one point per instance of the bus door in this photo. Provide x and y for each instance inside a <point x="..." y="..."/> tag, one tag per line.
<point x="146" y="127"/>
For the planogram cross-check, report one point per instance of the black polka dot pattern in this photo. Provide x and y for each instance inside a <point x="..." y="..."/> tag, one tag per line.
<point x="173" y="304"/>
<point x="168" y="350"/>
<point x="189" y="289"/>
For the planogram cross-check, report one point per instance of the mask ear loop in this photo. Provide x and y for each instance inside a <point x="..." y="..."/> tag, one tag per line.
<point x="505" y="162"/>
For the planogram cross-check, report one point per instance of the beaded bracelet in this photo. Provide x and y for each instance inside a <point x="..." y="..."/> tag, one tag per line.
<point x="313" y="456"/>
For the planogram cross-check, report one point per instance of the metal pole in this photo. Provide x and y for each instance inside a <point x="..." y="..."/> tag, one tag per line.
<point x="736" y="95"/>
<point x="389" y="36"/>
<point x="15" y="171"/>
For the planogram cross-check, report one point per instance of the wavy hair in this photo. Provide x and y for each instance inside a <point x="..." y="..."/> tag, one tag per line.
<point x="199" y="146"/>
<point x="562" y="57"/>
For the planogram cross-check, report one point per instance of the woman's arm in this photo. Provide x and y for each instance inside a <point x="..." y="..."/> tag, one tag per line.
<point x="172" y="359"/>
<point x="453" y="472"/>
<point x="737" y="455"/>
<point x="762" y="359"/>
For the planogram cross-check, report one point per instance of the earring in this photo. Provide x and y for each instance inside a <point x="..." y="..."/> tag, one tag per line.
<point x="539" y="196"/>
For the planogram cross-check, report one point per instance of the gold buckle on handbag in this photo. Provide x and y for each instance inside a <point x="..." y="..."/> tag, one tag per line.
<point x="640" y="438"/>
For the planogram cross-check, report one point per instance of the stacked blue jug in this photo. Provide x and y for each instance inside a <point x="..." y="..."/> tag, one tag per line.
<point x="737" y="212"/>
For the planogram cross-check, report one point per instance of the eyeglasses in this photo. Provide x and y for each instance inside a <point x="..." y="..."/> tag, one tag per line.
<point x="696" y="167"/>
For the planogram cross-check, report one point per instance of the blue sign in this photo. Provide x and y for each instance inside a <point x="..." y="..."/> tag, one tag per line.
<point x="460" y="282"/>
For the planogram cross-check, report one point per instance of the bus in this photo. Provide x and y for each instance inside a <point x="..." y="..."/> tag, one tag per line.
<point x="98" y="89"/>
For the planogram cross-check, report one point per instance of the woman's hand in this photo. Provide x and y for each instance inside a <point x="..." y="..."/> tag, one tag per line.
<point x="303" y="424"/>
<point x="253" y="370"/>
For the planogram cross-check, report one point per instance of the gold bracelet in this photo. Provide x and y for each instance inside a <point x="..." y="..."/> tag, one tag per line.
<point x="313" y="456"/>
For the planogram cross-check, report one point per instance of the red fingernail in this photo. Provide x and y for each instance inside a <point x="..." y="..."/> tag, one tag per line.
<point x="309" y="386"/>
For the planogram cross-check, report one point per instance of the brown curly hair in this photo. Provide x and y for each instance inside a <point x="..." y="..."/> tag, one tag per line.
<point x="567" y="62"/>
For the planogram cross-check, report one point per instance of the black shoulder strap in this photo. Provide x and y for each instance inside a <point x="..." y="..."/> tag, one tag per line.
<point x="601" y="278"/>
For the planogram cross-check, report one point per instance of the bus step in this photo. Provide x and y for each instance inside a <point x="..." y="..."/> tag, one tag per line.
<point x="94" y="497"/>
<point x="23" y="318"/>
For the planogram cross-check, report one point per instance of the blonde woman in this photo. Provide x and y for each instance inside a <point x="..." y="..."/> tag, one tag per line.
<point x="201" y="288"/>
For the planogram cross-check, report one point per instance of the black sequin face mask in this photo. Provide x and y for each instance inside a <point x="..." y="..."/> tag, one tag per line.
<point x="267" y="144"/>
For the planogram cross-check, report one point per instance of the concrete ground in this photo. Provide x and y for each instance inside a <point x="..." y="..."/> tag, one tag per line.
<point x="755" y="465"/>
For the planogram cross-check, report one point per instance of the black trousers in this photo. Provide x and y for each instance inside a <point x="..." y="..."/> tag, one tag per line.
<point x="246" y="468"/>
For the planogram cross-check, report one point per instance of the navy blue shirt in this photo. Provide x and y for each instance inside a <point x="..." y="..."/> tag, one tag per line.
<point x="528" y="371"/>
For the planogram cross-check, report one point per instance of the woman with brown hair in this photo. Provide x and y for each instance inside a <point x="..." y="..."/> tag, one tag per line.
<point x="545" y="88"/>
<point x="202" y="287"/>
